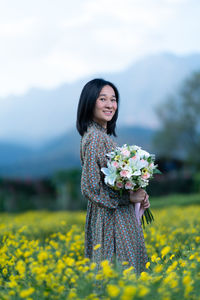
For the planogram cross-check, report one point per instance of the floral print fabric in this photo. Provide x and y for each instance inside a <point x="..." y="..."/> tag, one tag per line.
<point x="110" y="219"/>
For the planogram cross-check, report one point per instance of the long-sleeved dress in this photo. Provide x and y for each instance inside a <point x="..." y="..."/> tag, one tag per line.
<point x="110" y="219"/>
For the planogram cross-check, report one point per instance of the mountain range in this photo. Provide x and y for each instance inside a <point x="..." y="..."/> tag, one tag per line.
<point x="38" y="133"/>
<point x="59" y="154"/>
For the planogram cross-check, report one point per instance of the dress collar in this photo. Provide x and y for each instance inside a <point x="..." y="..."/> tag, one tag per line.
<point x="93" y="123"/>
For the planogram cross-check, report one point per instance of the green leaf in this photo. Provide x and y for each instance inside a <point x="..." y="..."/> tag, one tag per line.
<point x="156" y="171"/>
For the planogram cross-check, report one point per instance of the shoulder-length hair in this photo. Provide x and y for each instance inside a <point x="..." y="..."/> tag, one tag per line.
<point x="87" y="100"/>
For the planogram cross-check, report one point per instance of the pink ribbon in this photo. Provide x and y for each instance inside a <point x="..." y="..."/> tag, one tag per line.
<point x="139" y="211"/>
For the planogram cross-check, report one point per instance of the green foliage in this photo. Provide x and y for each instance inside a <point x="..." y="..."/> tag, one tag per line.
<point x="197" y="182"/>
<point x="67" y="184"/>
<point x="175" y="200"/>
<point x="179" y="135"/>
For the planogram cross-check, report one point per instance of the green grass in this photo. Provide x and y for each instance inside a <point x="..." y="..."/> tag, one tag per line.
<point x="175" y="200"/>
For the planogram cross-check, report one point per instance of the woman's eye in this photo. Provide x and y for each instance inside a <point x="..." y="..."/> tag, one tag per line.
<point x="102" y="99"/>
<point x="113" y="100"/>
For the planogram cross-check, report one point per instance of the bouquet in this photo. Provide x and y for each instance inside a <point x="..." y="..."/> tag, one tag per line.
<point x="130" y="168"/>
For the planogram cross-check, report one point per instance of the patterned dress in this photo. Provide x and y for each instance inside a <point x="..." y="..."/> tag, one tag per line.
<point x="110" y="220"/>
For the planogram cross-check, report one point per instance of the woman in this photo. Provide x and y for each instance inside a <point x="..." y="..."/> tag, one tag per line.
<point x="111" y="229"/>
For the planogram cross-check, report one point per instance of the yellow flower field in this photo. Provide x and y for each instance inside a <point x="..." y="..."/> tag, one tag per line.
<point x="41" y="257"/>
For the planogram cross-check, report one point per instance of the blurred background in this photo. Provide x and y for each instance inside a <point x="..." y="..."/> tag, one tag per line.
<point x="49" y="49"/>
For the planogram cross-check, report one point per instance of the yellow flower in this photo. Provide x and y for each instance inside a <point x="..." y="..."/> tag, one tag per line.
<point x="58" y="253"/>
<point x="197" y="239"/>
<point x="128" y="270"/>
<point x="97" y="246"/>
<point x="20" y="267"/>
<point x="148" y="264"/>
<point x="165" y="251"/>
<point x="144" y="276"/>
<point x="143" y="291"/>
<point x="124" y="263"/>
<point x="117" y="157"/>
<point x="70" y="261"/>
<point x="188" y="289"/>
<point x="27" y="253"/>
<point x="173" y="283"/>
<point x="93" y="266"/>
<point x="121" y="283"/>
<point x="153" y="257"/>
<point x="158" y="268"/>
<point x="42" y="256"/>
<point x="27" y="292"/>
<point x="73" y="279"/>
<point x="106" y="269"/>
<point x="12" y="284"/>
<point x="5" y="271"/>
<point x="129" y="292"/>
<point x="99" y="276"/>
<point x="172" y="267"/>
<point x="186" y="280"/>
<point x="72" y="295"/>
<point x="12" y="293"/>
<point x="113" y="290"/>
<point x="61" y="289"/>
<point x="182" y="263"/>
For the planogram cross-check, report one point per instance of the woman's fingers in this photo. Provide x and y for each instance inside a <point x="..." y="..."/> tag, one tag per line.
<point x="137" y="196"/>
<point x="146" y="203"/>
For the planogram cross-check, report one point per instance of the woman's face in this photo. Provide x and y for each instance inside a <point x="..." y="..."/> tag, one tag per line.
<point x="105" y="106"/>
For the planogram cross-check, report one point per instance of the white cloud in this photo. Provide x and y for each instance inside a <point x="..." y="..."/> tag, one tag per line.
<point x="45" y="43"/>
<point x="21" y="28"/>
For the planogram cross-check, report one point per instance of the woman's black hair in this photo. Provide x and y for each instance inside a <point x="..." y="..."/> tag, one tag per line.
<point x="88" y="97"/>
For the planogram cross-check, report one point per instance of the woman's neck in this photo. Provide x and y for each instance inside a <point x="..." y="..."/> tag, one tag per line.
<point x="102" y="124"/>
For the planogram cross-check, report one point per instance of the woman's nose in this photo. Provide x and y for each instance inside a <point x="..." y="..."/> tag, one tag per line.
<point x="109" y="104"/>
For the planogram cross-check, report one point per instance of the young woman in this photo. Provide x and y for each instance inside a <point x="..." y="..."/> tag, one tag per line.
<point x="112" y="231"/>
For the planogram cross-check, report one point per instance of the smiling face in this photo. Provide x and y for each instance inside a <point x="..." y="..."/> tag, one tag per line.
<point x="105" y="106"/>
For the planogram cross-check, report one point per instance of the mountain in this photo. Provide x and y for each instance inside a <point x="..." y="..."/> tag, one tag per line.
<point x="40" y="125"/>
<point x="40" y="115"/>
<point x="11" y="153"/>
<point x="63" y="153"/>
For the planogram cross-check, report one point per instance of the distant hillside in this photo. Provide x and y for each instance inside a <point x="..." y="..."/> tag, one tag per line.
<point x="40" y="115"/>
<point x="136" y="135"/>
<point x="62" y="153"/>
<point x="11" y="153"/>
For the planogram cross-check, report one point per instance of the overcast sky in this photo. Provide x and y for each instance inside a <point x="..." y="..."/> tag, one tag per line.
<point x="44" y="43"/>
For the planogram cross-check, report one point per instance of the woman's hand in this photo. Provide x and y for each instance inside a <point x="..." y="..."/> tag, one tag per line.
<point x="138" y="196"/>
<point x="145" y="203"/>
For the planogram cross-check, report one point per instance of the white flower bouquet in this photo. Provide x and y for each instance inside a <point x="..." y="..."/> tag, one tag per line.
<point x="130" y="168"/>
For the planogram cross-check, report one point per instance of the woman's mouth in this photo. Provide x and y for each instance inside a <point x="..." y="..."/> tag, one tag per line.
<point x="108" y="113"/>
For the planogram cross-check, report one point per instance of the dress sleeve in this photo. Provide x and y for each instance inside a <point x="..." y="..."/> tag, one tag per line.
<point x="92" y="185"/>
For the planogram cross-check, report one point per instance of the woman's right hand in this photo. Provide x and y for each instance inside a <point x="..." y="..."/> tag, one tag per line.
<point x="137" y="196"/>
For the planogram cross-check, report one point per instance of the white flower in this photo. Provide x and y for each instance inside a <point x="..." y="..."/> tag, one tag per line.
<point x="137" y="173"/>
<point x="137" y="163"/>
<point x="143" y="153"/>
<point x="127" y="170"/>
<point x="111" y="175"/>
<point x="134" y="148"/>
<point x="125" y="152"/>
<point x="111" y="154"/>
